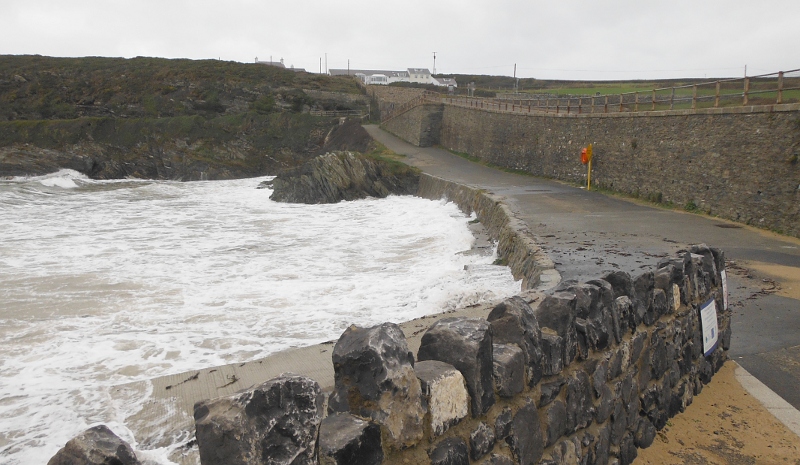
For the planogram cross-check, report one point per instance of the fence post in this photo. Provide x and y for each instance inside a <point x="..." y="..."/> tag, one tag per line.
<point x="605" y="105"/>
<point x="746" y="90"/>
<point x="654" y="99"/>
<point x="636" y="101"/>
<point x="694" y="97"/>
<point x="580" y="103"/>
<point x="672" y="99"/>
<point x="547" y="105"/>
<point x="592" y="109"/>
<point x="569" y="101"/>
<point x="780" y="87"/>
<point x="716" y="96"/>
<point x="620" y="103"/>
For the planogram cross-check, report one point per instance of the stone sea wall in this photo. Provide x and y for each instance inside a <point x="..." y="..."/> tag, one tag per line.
<point x="741" y="163"/>
<point x="514" y="248"/>
<point x="421" y="125"/>
<point x="586" y="374"/>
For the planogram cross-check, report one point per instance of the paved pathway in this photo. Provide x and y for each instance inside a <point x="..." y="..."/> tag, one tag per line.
<point x="587" y="233"/>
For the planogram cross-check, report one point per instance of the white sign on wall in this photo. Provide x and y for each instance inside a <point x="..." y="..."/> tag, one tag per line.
<point x="724" y="290"/>
<point x="708" y="321"/>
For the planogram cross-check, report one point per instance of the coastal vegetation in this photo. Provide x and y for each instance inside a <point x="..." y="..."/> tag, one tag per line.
<point x="160" y="118"/>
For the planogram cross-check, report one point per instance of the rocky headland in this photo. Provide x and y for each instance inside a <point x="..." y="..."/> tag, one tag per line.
<point x="338" y="176"/>
<point x="155" y="118"/>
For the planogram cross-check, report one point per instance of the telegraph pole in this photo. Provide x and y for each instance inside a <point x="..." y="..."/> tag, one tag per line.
<point x="434" y="63"/>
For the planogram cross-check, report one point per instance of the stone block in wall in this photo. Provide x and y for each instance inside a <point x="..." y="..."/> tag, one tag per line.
<point x="276" y="423"/>
<point x="605" y="404"/>
<point x="557" y="313"/>
<point x="645" y="433"/>
<point x="599" y="448"/>
<point x="551" y="389"/>
<point x="348" y="440"/>
<point x="552" y="352"/>
<point x="508" y="369"/>
<point x="664" y="280"/>
<point x="566" y="452"/>
<point x="623" y="316"/>
<point x="502" y="424"/>
<point x="95" y="446"/>
<point x="643" y="286"/>
<point x="465" y="343"/>
<point x="374" y="378"/>
<point x="513" y="322"/>
<point x="627" y="450"/>
<point x="621" y="283"/>
<point x="481" y="441"/>
<point x="580" y="408"/>
<point x="497" y="459"/>
<point x="555" y="419"/>
<point x="444" y="392"/>
<point x="618" y="423"/>
<point x="709" y="263"/>
<point x="451" y="451"/>
<point x="526" y="439"/>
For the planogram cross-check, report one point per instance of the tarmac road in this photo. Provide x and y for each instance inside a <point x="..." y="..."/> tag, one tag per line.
<point x="587" y="233"/>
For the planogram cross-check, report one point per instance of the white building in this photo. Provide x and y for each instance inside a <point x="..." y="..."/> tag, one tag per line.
<point x="384" y="77"/>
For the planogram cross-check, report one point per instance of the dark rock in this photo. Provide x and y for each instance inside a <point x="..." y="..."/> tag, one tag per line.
<point x="627" y="450"/>
<point x="275" y="423"/>
<point x="497" y="459"/>
<point x="599" y="377"/>
<point x="619" y="423"/>
<point x="557" y="312"/>
<point x="526" y="439"/>
<point x="374" y="378"/>
<point x="580" y="411"/>
<point x="451" y="451"/>
<point x="709" y="263"/>
<point x="445" y="393"/>
<point x="645" y="433"/>
<point x="605" y="404"/>
<point x="621" y="283"/>
<point x="465" y="343"/>
<point x="643" y="301"/>
<point x="637" y="345"/>
<point x="347" y="440"/>
<point x="622" y="315"/>
<point x="502" y="424"/>
<point x="508" y="369"/>
<point x="333" y="177"/>
<point x="598" y="454"/>
<point x="513" y="322"/>
<point x="659" y="306"/>
<point x="556" y="422"/>
<point x="481" y="441"/>
<point x="552" y="353"/>
<point x="551" y="389"/>
<point x="95" y="446"/>
<point x="658" y="356"/>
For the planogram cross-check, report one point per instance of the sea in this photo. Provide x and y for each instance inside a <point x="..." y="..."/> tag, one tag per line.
<point x="104" y="283"/>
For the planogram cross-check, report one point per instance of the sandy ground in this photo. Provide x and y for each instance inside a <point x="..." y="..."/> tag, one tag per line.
<point x="724" y="425"/>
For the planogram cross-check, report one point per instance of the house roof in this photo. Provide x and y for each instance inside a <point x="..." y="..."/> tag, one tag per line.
<point x="418" y="71"/>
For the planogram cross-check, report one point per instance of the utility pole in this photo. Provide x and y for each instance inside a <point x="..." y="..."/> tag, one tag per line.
<point x="348" y="67"/>
<point x="515" y="77"/>
<point x="326" y="62"/>
<point x="320" y="65"/>
<point x="434" y="62"/>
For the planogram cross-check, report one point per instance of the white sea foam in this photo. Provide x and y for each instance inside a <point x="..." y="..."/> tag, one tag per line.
<point x="104" y="283"/>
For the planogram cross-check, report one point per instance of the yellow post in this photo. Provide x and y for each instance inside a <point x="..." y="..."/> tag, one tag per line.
<point x="589" y="177"/>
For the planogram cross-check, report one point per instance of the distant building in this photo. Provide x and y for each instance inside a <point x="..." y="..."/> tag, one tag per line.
<point x="278" y="64"/>
<point x="385" y="77"/>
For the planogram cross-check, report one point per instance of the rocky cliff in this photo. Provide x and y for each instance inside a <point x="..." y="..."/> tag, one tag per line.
<point x="183" y="148"/>
<point x="338" y="176"/>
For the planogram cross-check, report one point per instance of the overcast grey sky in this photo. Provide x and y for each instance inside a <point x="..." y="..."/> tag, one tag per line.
<point x="564" y="39"/>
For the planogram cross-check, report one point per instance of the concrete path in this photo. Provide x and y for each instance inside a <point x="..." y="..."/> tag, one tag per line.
<point x="588" y="233"/>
